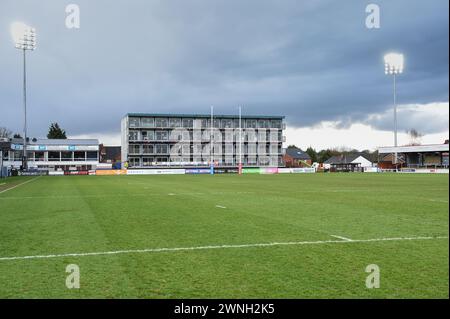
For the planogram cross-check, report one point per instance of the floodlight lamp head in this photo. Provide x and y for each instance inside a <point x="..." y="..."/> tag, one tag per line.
<point x="393" y="63"/>
<point x="24" y="36"/>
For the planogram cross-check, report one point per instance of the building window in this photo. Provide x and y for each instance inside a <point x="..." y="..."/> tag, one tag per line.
<point x="17" y="156"/>
<point x="273" y="136"/>
<point x="229" y="149"/>
<point x="148" y="149"/>
<point x="162" y="149"/>
<point x="250" y="124"/>
<point x="227" y="123"/>
<point x="186" y="136"/>
<point x="229" y="136"/>
<point x="197" y="123"/>
<point x="134" y="122"/>
<point x="197" y="136"/>
<point x="133" y="135"/>
<point x="148" y="122"/>
<point x="205" y="123"/>
<point x="65" y="156"/>
<point x="92" y="156"/>
<point x="263" y="124"/>
<point x="150" y="135"/>
<point x="174" y="122"/>
<point x="162" y="135"/>
<point x="78" y="156"/>
<point x="134" y="162"/>
<point x="161" y="122"/>
<point x="188" y="123"/>
<point x="251" y="136"/>
<point x="147" y="161"/>
<point x="54" y="156"/>
<point x="145" y="136"/>
<point x="251" y="160"/>
<point x="263" y="160"/>
<point x="276" y="124"/>
<point x="251" y="148"/>
<point x="273" y="148"/>
<point x="135" y="149"/>
<point x="39" y="156"/>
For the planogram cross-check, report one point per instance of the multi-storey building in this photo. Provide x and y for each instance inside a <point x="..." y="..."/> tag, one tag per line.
<point x="190" y="140"/>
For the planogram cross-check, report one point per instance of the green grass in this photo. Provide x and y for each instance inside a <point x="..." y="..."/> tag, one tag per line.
<point x="78" y="214"/>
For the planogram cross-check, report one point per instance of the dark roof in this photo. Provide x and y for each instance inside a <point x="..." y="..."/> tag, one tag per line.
<point x="345" y="158"/>
<point x="278" y="117"/>
<point x="297" y="153"/>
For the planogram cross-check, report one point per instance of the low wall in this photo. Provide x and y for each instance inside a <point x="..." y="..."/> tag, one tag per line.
<point x="197" y="171"/>
<point x="298" y="170"/>
<point x="111" y="172"/>
<point x="425" y="170"/>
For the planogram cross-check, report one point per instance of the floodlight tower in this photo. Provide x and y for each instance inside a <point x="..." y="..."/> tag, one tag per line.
<point x="393" y="65"/>
<point x="24" y="38"/>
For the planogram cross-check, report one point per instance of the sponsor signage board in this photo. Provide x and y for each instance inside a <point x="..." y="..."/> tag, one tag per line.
<point x="76" y="173"/>
<point x="250" y="170"/>
<point x="198" y="171"/>
<point x="155" y="171"/>
<point x="269" y="170"/>
<point x="111" y="172"/>
<point x="56" y="173"/>
<point x="226" y="171"/>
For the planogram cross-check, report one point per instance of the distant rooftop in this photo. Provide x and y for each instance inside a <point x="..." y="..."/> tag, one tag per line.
<point x="345" y="158"/>
<point x="205" y="115"/>
<point x="414" y="148"/>
<point x="297" y="153"/>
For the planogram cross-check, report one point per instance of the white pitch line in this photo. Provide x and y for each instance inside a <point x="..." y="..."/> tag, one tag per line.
<point x="438" y="200"/>
<point x="340" y="237"/>
<point x="8" y="189"/>
<point x="157" y="250"/>
<point x="218" y="206"/>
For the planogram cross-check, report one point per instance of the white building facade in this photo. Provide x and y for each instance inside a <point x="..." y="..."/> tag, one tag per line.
<point x="150" y="140"/>
<point x="54" y="154"/>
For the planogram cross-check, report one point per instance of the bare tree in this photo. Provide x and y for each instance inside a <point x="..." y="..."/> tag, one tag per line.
<point x="414" y="136"/>
<point x="5" y="133"/>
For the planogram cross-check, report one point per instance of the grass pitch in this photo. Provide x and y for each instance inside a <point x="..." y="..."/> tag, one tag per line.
<point x="94" y="214"/>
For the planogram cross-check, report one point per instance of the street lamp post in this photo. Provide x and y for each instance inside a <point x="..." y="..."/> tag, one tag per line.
<point x="393" y="65"/>
<point x="24" y="38"/>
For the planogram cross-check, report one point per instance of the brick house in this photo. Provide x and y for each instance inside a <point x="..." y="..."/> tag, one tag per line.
<point x="295" y="157"/>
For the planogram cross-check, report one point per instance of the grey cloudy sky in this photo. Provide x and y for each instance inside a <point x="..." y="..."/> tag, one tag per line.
<point x="312" y="61"/>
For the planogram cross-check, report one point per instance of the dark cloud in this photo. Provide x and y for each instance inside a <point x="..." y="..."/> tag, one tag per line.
<point x="309" y="60"/>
